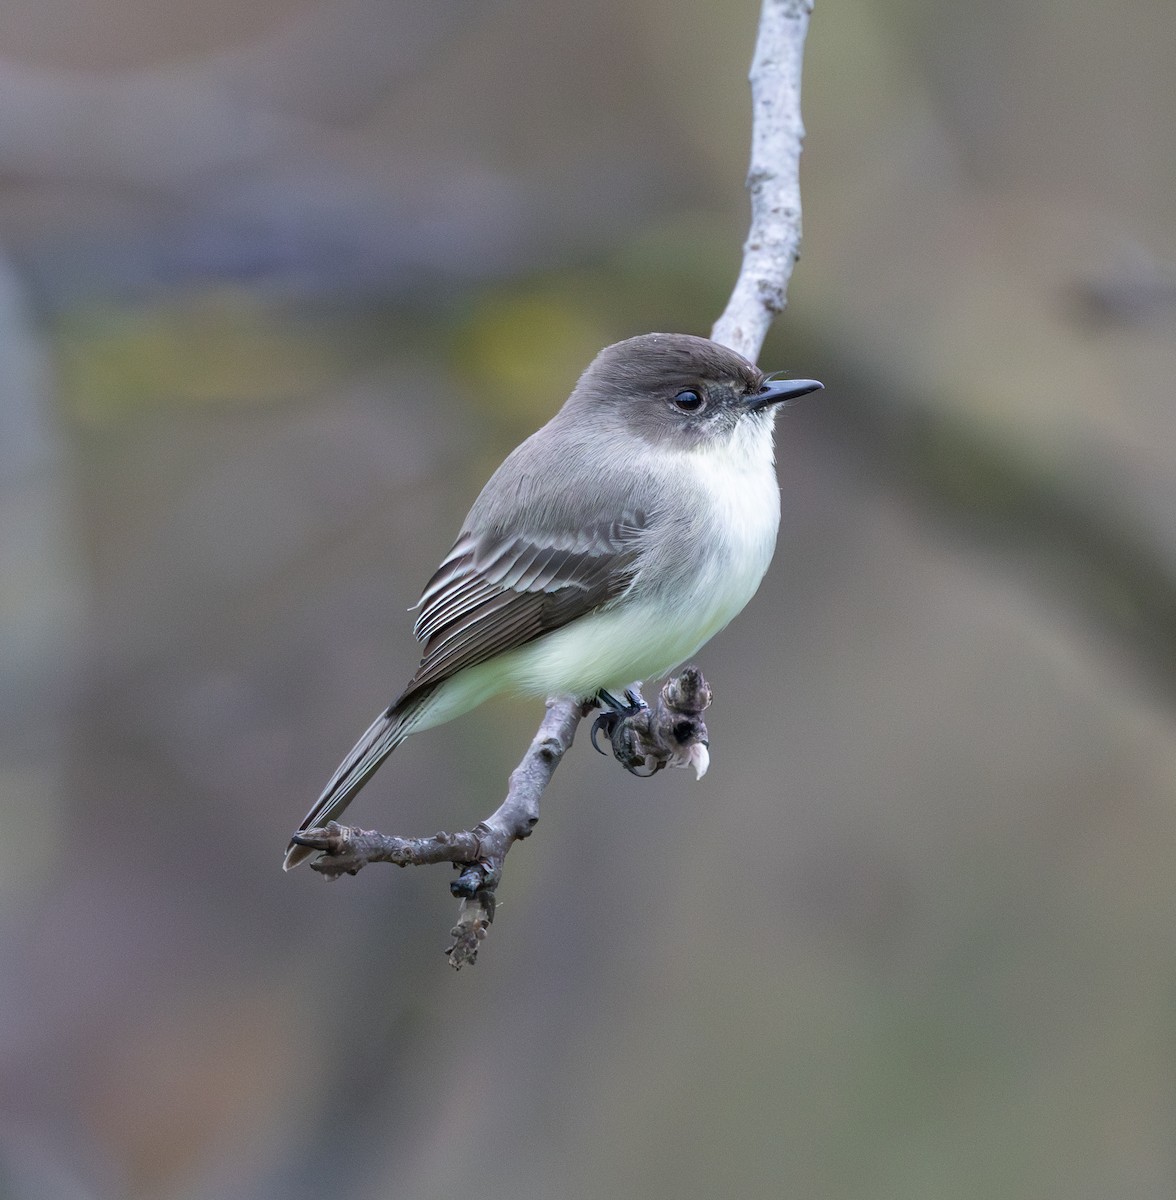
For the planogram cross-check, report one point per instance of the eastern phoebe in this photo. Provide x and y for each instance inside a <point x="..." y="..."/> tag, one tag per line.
<point x="607" y="548"/>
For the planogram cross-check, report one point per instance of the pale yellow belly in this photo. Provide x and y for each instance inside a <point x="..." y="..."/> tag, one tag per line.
<point x="609" y="650"/>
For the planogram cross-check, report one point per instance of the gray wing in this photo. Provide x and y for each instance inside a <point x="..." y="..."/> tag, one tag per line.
<point x="494" y="593"/>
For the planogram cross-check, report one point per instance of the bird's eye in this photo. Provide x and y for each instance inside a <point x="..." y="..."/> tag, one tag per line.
<point x="689" y="401"/>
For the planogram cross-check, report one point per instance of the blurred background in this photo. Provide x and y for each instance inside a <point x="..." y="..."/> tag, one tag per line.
<point x="280" y="283"/>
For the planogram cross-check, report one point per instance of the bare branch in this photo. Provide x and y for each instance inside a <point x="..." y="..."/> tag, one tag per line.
<point x="672" y="732"/>
<point x="777" y="134"/>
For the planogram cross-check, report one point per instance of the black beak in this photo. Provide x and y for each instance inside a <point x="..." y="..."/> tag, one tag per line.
<point x="777" y="391"/>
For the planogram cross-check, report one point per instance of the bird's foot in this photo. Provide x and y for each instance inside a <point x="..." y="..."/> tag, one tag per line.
<point x="626" y="725"/>
<point x="614" y="712"/>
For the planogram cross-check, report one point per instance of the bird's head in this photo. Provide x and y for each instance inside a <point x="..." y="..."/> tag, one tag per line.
<point x="678" y="389"/>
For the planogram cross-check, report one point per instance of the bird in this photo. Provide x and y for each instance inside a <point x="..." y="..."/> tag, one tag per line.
<point x="608" y="547"/>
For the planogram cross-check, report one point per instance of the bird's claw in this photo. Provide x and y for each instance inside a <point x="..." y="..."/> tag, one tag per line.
<point x="617" y="722"/>
<point x="606" y="722"/>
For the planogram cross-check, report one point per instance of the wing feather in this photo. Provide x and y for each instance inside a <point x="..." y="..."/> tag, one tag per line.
<point x="493" y="594"/>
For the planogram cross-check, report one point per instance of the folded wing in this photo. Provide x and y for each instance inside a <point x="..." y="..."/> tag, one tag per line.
<point x="495" y="593"/>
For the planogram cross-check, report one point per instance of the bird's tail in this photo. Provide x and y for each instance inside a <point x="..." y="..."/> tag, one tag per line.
<point x="384" y="734"/>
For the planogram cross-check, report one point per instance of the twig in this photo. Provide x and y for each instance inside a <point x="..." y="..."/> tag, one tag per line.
<point x="672" y="732"/>
<point x="773" y="179"/>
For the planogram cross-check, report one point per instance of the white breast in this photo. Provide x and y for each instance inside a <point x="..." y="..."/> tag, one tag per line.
<point x="740" y="480"/>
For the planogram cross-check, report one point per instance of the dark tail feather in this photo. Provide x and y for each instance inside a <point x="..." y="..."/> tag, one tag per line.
<point x="384" y="734"/>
